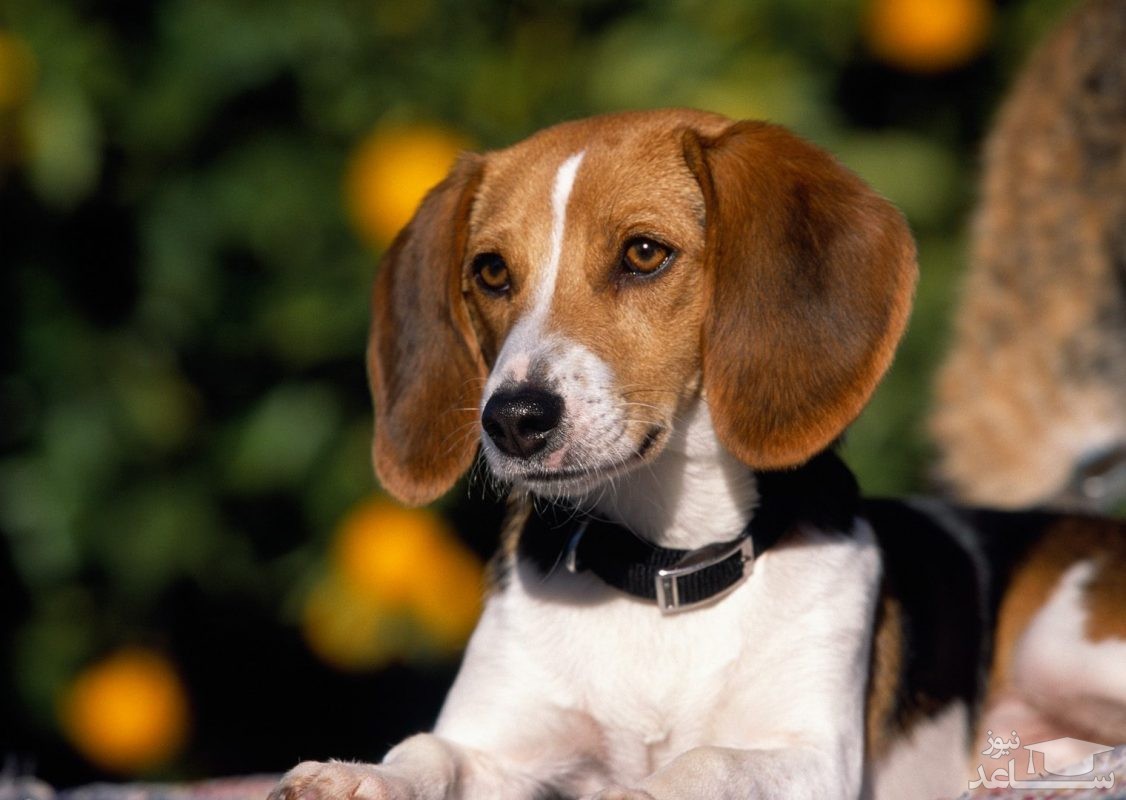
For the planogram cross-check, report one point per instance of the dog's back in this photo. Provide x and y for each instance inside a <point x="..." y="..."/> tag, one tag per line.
<point x="1031" y="402"/>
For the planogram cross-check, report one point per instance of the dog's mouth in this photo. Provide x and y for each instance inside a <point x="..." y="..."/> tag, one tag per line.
<point x="580" y="479"/>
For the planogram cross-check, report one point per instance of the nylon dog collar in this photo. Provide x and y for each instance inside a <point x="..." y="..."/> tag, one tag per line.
<point x="822" y="492"/>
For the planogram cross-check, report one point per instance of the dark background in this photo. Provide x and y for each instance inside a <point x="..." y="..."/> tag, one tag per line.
<point x="184" y="418"/>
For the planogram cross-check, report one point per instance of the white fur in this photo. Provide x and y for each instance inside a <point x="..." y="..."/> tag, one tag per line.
<point x="759" y="695"/>
<point x="560" y="194"/>
<point x="1056" y="665"/>
<point x="693" y="494"/>
<point x="929" y="761"/>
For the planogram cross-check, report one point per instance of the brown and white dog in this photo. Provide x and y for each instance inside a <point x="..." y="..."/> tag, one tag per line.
<point x="656" y="325"/>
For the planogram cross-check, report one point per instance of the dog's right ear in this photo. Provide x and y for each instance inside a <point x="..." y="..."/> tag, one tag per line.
<point x="424" y="364"/>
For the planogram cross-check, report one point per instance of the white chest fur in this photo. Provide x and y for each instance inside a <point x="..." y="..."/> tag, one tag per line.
<point x="780" y="662"/>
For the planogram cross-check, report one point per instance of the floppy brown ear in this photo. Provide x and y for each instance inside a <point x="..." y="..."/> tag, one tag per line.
<point x="424" y="363"/>
<point x="813" y="275"/>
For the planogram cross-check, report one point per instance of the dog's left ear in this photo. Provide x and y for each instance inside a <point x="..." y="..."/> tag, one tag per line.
<point x="812" y="278"/>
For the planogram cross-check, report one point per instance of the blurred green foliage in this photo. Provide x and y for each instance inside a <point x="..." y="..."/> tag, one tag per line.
<point x="183" y="398"/>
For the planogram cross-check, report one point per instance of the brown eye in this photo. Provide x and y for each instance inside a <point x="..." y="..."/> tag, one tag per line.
<point x="644" y="256"/>
<point x="491" y="272"/>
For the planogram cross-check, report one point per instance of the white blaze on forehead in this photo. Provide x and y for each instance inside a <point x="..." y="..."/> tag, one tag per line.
<point x="527" y="335"/>
<point x="560" y="194"/>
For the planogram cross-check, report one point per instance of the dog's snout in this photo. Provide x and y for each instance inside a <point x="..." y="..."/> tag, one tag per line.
<point x="520" y="422"/>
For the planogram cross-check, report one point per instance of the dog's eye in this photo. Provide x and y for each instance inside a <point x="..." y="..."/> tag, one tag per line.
<point x="491" y="272"/>
<point x="644" y="256"/>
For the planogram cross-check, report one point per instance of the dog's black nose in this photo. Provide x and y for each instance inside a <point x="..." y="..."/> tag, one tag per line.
<point x="521" y="421"/>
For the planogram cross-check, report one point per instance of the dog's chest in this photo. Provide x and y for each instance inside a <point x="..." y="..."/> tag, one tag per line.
<point x="657" y="686"/>
<point x="653" y="685"/>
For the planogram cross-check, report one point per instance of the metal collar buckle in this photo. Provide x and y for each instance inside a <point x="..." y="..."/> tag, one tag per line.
<point x="668" y="580"/>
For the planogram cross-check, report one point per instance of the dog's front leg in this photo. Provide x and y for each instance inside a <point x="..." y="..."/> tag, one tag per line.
<point x="497" y="738"/>
<point x="423" y="767"/>
<point x="722" y="773"/>
<point x="433" y="767"/>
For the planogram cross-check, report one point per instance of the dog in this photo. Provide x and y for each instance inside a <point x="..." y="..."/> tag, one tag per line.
<point x="1031" y="400"/>
<point x="656" y="326"/>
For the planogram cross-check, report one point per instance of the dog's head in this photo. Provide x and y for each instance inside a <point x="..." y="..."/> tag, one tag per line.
<point x="559" y="301"/>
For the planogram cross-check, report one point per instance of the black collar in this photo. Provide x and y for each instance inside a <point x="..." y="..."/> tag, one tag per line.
<point x="821" y="493"/>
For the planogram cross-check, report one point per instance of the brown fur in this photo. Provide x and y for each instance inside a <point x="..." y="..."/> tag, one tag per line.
<point x="1106" y="594"/>
<point x="633" y="181"/>
<point x="424" y="363"/>
<point x="790" y="289"/>
<point x="812" y="280"/>
<point x="885" y="671"/>
<point x="1030" y="587"/>
<point x="1038" y="363"/>
<point x="1036" y="577"/>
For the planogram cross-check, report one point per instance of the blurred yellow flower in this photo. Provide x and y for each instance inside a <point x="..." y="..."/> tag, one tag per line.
<point x="127" y="713"/>
<point x="385" y="551"/>
<point x="390" y="172"/>
<point x="17" y="71"/>
<point x="346" y="629"/>
<point x="448" y="607"/>
<point x="928" y="35"/>
<point x="400" y="584"/>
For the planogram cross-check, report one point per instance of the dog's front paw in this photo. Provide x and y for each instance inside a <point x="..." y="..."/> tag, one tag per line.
<point x="621" y="793"/>
<point x="337" y="780"/>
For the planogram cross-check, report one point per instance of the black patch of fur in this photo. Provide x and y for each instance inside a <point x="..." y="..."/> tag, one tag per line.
<point x="948" y="568"/>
